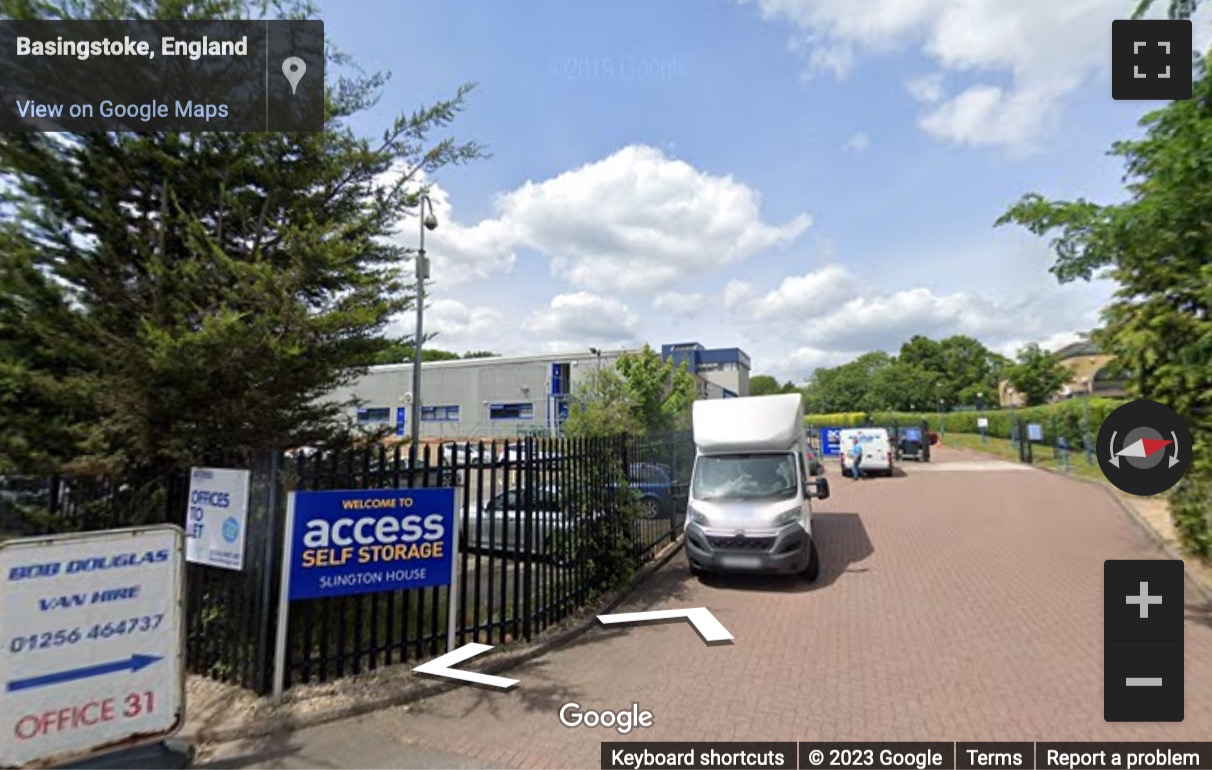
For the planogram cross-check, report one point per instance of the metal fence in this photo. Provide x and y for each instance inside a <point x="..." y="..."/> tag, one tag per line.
<point x="545" y="526"/>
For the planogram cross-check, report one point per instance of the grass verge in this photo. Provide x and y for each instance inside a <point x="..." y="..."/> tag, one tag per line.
<point x="1042" y="454"/>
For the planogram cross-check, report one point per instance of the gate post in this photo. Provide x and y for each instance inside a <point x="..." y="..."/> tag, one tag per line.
<point x="266" y="626"/>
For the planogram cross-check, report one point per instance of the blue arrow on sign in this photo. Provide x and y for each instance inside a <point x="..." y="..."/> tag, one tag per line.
<point x="133" y="663"/>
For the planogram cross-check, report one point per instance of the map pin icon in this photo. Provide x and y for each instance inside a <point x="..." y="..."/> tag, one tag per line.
<point x="294" y="68"/>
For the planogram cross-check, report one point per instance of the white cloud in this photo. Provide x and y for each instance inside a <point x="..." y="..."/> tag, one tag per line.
<point x="640" y="222"/>
<point x="831" y="315"/>
<point x="857" y="143"/>
<point x="581" y="319"/>
<point x="678" y="304"/>
<point x="1044" y="48"/>
<point x="797" y="295"/>
<point x="799" y="363"/>
<point x="458" y="253"/>
<point x="636" y="222"/>
<point x="460" y="328"/>
<point x="927" y="88"/>
<point x="1054" y="341"/>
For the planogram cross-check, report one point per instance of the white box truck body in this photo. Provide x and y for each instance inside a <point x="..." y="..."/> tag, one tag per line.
<point x="750" y="506"/>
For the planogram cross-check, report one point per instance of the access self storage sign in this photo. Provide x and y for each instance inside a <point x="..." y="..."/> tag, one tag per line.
<point x="364" y="541"/>
<point x="92" y="642"/>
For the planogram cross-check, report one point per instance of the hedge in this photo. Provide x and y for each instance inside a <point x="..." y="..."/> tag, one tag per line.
<point x="1191" y="502"/>
<point x="837" y="420"/>
<point x="1064" y="419"/>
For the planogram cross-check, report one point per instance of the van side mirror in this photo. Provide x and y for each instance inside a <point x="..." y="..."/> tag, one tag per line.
<point x="819" y="489"/>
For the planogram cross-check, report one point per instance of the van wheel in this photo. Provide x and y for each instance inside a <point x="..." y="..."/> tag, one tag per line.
<point x="813" y="570"/>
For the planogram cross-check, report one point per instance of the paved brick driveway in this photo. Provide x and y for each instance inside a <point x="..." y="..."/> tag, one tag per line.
<point x="960" y="603"/>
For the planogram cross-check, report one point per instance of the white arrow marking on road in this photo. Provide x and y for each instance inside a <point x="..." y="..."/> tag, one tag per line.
<point x="441" y="666"/>
<point x="703" y="621"/>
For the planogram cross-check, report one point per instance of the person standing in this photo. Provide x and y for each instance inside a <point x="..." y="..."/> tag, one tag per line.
<point x="856" y="459"/>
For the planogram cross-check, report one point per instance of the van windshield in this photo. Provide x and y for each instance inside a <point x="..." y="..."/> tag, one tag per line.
<point x="745" y="477"/>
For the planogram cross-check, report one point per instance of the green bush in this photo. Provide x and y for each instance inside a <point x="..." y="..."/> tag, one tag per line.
<point x="1191" y="505"/>
<point x="1065" y="419"/>
<point x="837" y="420"/>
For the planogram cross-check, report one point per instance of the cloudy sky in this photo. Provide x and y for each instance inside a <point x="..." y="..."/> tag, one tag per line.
<point x="805" y="179"/>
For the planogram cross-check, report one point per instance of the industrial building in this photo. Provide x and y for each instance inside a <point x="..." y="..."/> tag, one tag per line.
<point x="511" y="396"/>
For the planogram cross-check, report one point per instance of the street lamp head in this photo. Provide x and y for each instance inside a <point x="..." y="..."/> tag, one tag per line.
<point x="595" y="351"/>
<point x="427" y="216"/>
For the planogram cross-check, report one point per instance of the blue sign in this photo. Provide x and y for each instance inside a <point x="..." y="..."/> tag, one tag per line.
<point x="911" y="434"/>
<point x="1035" y="432"/>
<point x="401" y="412"/>
<point x="231" y="530"/>
<point x="831" y="441"/>
<point x="348" y="542"/>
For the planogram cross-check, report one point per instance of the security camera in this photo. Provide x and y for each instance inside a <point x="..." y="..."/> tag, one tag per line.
<point x="431" y="222"/>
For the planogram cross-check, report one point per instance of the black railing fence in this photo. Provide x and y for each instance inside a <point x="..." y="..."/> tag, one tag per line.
<point x="545" y="525"/>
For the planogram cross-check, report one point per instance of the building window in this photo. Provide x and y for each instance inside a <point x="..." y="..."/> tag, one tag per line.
<point x="374" y="414"/>
<point x="440" y="413"/>
<point x="511" y="412"/>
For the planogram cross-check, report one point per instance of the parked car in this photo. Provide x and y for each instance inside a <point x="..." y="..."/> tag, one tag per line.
<point x="426" y="475"/>
<point x="654" y="482"/>
<point x="910" y="445"/>
<point x="462" y="454"/>
<point x="24" y="490"/>
<point x="515" y="452"/>
<point x="503" y="526"/>
<point x="815" y="467"/>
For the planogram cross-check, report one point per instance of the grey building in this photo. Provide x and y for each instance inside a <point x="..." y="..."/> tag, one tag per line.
<point x="505" y="397"/>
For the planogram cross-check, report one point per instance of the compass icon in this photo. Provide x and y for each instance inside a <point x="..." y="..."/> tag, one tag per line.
<point x="1144" y="447"/>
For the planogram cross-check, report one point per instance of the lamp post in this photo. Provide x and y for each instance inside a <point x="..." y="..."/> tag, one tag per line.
<point x="942" y="426"/>
<point x="1087" y="439"/>
<point x="597" y="352"/>
<point x="428" y="222"/>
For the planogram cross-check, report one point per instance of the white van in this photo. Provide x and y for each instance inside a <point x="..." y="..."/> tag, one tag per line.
<point x="878" y="452"/>
<point x="750" y="493"/>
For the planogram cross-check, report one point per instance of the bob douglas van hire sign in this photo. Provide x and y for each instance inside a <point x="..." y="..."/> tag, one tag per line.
<point x="346" y="542"/>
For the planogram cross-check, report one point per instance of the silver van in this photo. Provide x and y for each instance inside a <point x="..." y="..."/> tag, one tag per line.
<point x="750" y="506"/>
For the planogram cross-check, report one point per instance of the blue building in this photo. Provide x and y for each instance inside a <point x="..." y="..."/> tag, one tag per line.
<point x="724" y="368"/>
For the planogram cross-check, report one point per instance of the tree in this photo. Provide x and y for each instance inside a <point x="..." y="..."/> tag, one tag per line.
<point x="765" y="385"/>
<point x="1155" y="245"/>
<point x="480" y="354"/>
<point x="601" y="406"/>
<point x="641" y="393"/>
<point x="1037" y="374"/>
<point x="924" y="353"/>
<point x="960" y="367"/>
<point x="401" y="352"/>
<point x="167" y="294"/>
<point x="660" y="391"/>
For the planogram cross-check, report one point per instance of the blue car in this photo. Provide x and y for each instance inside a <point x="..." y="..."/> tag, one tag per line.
<point x="654" y="483"/>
